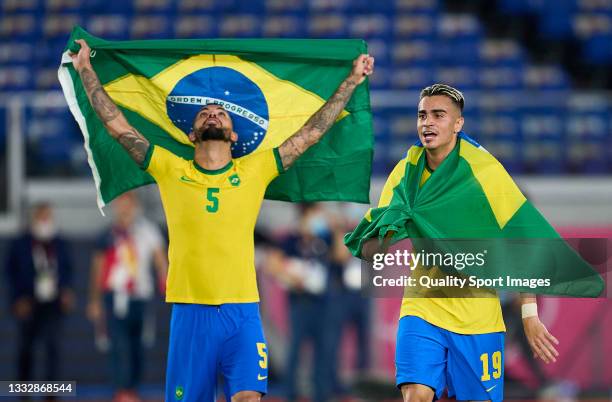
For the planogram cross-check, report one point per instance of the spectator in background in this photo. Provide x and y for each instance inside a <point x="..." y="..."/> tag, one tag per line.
<point x="348" y="308"/>
<point x="39" y="281"/>
<point x="122" y="282"/>
<point x="304" y="267"/>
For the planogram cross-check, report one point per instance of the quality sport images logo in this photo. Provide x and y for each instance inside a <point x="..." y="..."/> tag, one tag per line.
<point x="240" y="96"/>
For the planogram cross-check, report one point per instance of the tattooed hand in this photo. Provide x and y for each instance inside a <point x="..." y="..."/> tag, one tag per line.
<point x="324" y="118"/>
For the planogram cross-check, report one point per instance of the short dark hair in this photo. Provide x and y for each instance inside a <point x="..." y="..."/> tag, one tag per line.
<point x="445" y="90"/>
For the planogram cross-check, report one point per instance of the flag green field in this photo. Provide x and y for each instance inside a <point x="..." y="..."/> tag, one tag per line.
<point x="269" y="86"/>
<point x="470" y="204"/>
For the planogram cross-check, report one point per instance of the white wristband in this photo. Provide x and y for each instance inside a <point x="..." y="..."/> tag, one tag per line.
<point x="529" y="310"/>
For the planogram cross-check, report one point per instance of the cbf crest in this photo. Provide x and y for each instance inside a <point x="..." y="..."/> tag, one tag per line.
<point x="238" y="95"/>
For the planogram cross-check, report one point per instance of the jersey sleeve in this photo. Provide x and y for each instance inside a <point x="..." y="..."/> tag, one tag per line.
<point x="158" y="161"/>
<point x="266" y="165"/>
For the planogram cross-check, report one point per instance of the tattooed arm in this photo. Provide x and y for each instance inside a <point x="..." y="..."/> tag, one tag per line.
<point x="115" y="122"/>
<point x="324" y="118"/>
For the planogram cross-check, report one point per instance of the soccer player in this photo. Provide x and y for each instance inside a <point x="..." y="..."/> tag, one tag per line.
<point x="454" y="342"/>
<point x="211" y="205"/>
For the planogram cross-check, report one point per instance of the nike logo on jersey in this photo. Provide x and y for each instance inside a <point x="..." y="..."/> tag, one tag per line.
<point x="261" y="377"/>
<point x="187" y="179"/>
<point x="489" y="390"/>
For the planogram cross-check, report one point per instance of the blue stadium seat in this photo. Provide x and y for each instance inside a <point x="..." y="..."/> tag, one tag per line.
<point x="416" y="6"/>
<point x="153" y="6"/>
<point x="370" y="26"/>
<point x="411" y="53"/>
<point x="499" y="126"/>
<point x="587" y="157"/>
<point x="109" y="26"/>
<point x="327" y="25"/>
<point x="284" y="26"/>
<point x="463" y="77"/>
<point x="55" y="6"/>
<point x="459" y="26"/>
<point x="507" y="151"/>
<point x="60" y="25"/>
<point x="500" y="53"/>
<point x="24" y="27"/>
<point x="542" y="126"/>
<point x="543" y="157"/>
<point x="240" y="26"/>
<point x="500" y="78"/>
<point x="325" y="6"/>
<point x="413" y="78"/>
<point x="545" y="77"/>
<point x="411" y="26"/>
<point x="150" y="27"/>
<point x="15" y="78"/>
<point x="46" y="77"/>
<point x="16" y="52"/>
<point x="379" y="48"/>
<point x="15" y="6"/>
<point x="285" y="6"/>
<point x="195" y="26"/>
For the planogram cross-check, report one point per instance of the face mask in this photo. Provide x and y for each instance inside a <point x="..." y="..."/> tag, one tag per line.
<point x="43" y="230"/>
<point x="317" y="225"/>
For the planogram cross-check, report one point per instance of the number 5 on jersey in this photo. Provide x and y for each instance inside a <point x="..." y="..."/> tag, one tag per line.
<point x="212" y="197"/>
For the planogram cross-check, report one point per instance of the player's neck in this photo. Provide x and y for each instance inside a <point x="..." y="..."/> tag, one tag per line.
<point x="435" y="157"/>
<point x="213" y="155"/>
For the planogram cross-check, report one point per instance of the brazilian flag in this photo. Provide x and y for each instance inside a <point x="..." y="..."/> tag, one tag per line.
<point x="270" y="87"/>
<point x="470" y="205"/>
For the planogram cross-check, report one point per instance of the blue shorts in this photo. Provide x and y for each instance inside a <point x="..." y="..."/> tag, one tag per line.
<point x="471" y="367"/>
<point x="206" y="341"/>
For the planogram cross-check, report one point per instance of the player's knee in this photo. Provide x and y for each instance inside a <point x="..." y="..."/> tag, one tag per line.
<point x="246" y="396"/>
<point x="417" y="393"/>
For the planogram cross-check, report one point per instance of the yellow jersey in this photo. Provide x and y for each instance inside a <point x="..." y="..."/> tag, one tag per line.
<point x="461" y="310"/>
<point x="211" y="216"/>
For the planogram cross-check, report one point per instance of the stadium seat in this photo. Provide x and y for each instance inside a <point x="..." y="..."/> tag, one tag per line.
<point x="150" y="26"/>
<point x="13" y="6"/>
<point x="327" y="26"/>
<point x="15" y="52"/>
<point x="463" y="77"/>
<point x="411" y="26"/>
<point x="370" y="26"/>
<point x="412" y="78"/>
<point x="283" y="26"/>
<point x="411" y="52"/>
<point x="60" y="25"/>
<point x="153" y="6"/>
<point x="109" y="26"/>
<point x="417" y="6"/>
<point x="15" y="78"/>
<point x="195" y="27"/>
<point x="240" y="26"/>
<point x="285" y="6"/>
<point x="24" y="27"/>
<point x="545" y="77"/>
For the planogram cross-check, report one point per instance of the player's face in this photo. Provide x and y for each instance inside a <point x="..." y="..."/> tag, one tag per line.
<point x="213" y="116"/>
<point x="438" y="122"/>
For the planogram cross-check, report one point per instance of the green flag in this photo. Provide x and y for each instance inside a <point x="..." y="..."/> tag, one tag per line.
<point x="270" y="87"/>
<point x="471" y="206"/>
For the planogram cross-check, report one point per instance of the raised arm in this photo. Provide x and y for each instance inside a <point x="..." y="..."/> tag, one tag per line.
<point x="324" y="118"/>
<point x="115" y="122"/>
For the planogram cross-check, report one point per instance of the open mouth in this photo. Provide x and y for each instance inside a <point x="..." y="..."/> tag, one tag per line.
<point x="212" y="122"/>
<point x="429" y="135"/>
